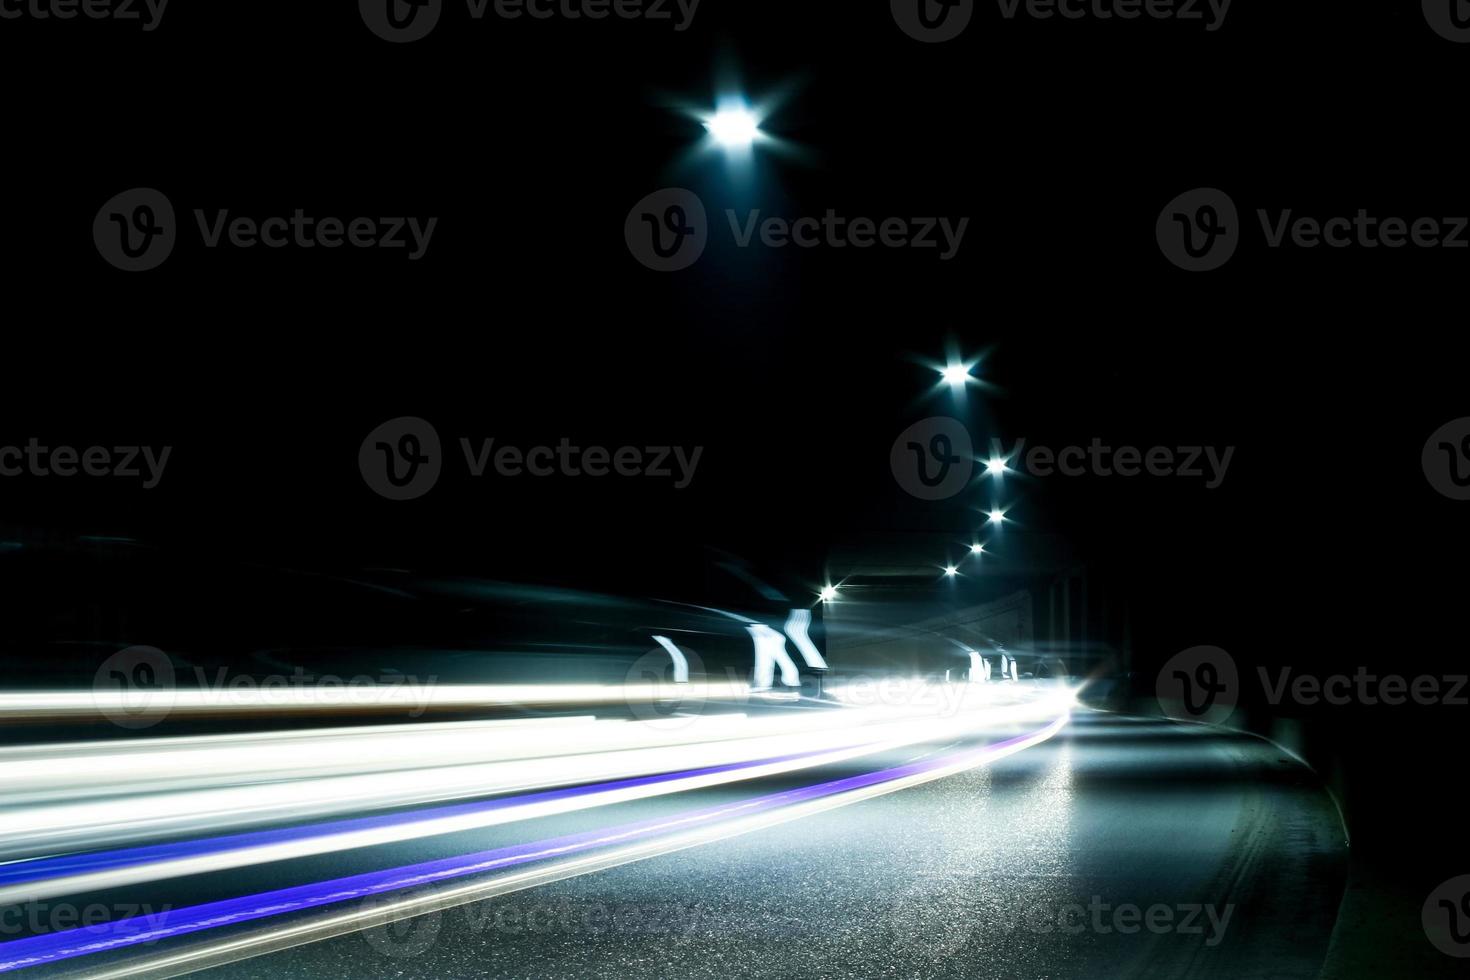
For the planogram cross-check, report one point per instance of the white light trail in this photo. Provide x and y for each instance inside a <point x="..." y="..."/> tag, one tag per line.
<point x="680" y="833"/>
<point x="30" y="707"/>
<point x="90" y="824"/>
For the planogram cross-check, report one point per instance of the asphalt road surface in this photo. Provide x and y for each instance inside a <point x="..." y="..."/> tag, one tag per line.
<point x="1122" y="847"/>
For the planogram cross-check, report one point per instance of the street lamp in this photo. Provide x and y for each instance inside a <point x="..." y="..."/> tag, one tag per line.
<point x="956" y="375"/>
<point x="734" y="128"/>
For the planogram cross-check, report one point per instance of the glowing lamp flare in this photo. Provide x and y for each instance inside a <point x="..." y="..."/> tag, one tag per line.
<point x="956" y="375"/>
<point x="734" y="128"/>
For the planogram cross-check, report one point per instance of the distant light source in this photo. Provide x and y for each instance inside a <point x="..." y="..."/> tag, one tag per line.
<point x="956" y="375"/>
<point x="996" y="466"/>
<point x="829" y="593"/>
<point x="734" y="128"/>
<point x="997" y="516"/>
<point x="951" y="571"/>
<point x="977" y="549"/>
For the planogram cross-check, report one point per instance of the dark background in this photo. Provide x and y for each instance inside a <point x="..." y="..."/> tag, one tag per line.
<point x="528" y="320"/>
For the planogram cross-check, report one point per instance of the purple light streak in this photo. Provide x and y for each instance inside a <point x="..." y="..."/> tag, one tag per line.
<point x="143" y="930"/>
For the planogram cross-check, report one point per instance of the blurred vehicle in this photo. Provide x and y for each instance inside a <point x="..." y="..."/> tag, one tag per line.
<point x="77" y="602"/>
